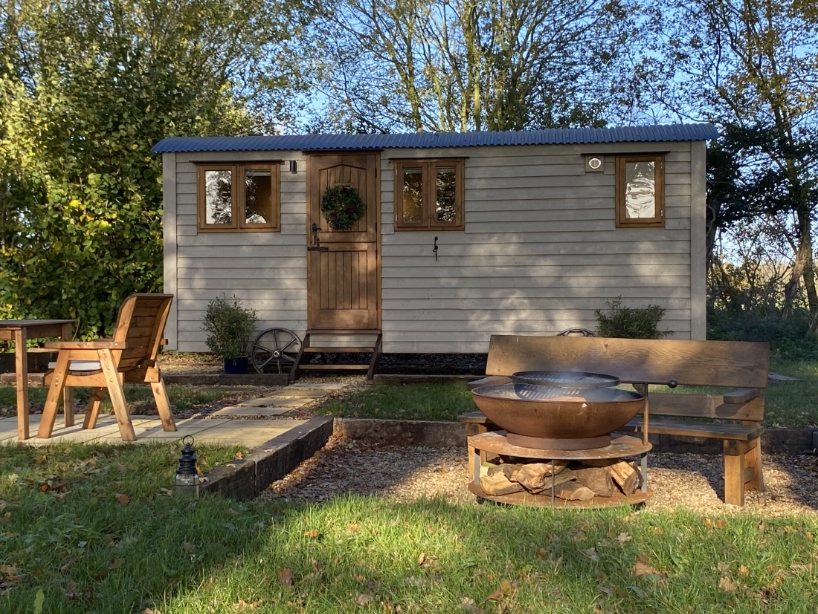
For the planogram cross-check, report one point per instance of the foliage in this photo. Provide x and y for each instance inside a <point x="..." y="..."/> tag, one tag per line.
<point x="85" y="90"/>
<point x="630" y="322"/>
<point x="749" y="67"/>
<point x="789" y="339"/>
<point x="90" y="552"/>
<point x="229" y="326"/>
<point x="342" y="206"/>
<point x="458" y="65"/>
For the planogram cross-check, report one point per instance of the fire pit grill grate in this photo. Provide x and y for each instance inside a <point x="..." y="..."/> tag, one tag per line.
<point x="565" y="379"/>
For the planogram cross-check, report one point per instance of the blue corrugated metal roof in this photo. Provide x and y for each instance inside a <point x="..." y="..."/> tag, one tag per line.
<point x="433" y="140"/>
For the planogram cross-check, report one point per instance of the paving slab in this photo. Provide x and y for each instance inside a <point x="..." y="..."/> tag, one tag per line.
<point x="276" y="402"/>
<point x="238" y="410"/>
<point x="247" y="432"/>
<point x="216" y="428"/>
<point x="319" y="386"/>
<point x="293" y="392"/>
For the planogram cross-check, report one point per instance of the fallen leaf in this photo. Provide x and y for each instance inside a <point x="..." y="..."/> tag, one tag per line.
<point x="744" y="571"/>
<point x="363" y="599"/>
<point x="40" y="459"/>
<point x="422" y="559"/>
<point x="312" y="533"/>
<point x="189" y="547"/>
<point x="641" y="569"/>
<point x="727" y="585"/>
<point x="233" y="512"/>
<point x="8" y="570"/>
<point x="316" y="565"/>
<point x="38" y="602"/>
<point x="71" y="590"/>
<point x="166" y="491"/>
<point x="506" y="588"/>
<point x="243" y="605"/>
<point x="542" y="553"/>
<point x="239" y="456"/>
<point x="123" y="499"/>
<point x="285" y="576"/>
<point x="468" y="605"/>
<point x="353" y="527"/>
<point x="116" y="564"/>
<point x="623" y="537"/>
<point x="591" y="554"/>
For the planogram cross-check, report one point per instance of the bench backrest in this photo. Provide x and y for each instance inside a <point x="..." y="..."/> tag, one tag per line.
<point x="731" y="364"/>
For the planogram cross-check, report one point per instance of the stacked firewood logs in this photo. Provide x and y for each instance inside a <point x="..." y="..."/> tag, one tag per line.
<point x="572" y="480"/>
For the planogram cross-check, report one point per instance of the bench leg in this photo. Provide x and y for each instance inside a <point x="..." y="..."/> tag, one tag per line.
<point x="735" y="462"/>
<point x="756" y="482"/>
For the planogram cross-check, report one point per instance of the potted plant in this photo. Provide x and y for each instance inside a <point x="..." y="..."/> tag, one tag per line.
<point x="229" y="326"/>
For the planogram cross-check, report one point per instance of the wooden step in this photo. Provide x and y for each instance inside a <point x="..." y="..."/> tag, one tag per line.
<point x="310" y="367"/>
<point x="338" y="350"/>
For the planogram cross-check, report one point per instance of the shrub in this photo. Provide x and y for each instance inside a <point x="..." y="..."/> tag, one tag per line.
<point x="630" y="322"/>
<point x="229" y="326"/>
<point x="789" y="339"/>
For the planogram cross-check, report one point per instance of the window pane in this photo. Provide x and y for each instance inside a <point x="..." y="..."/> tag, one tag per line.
<point x="218" y="188"/>
<point x="258" y="196"/>
<point x="445" y="190"/>
<point x="412" y="194"/>
<point x="640" y="190"/>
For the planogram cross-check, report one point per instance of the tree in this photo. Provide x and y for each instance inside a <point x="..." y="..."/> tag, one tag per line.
<point x="749" y="66"/>
<point x="87" y="89"/>
<point x="456" y="65"/>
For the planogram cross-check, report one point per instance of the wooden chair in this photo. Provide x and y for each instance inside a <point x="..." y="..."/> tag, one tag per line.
<point x="108" y="363"/>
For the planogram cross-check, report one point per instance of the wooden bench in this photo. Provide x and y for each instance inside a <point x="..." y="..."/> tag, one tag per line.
<point x="731" y="364"/>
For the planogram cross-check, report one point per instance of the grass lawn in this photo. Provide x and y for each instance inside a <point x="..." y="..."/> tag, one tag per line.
<point x="139" y="398"/>
<point x="84" y="548"/>
<point x="787" y="403"/>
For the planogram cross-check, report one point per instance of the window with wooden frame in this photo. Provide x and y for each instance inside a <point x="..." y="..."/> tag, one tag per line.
<point x="239" y="197"/>
<point x="640" y="190"/>
<point x="429" y="194"/>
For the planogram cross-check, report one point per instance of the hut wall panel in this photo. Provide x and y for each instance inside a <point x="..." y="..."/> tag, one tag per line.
<point x="266" y="271"/>
<point x="540" y="252"/>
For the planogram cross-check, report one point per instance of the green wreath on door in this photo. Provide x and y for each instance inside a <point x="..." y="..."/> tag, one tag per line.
<point x="342" y="206"/>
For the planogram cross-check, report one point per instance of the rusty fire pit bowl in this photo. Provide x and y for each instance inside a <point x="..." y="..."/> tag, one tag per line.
<point x="547" y="418"/>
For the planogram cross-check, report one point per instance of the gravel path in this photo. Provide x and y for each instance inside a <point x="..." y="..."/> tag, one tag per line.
<point x="678" y="480"/>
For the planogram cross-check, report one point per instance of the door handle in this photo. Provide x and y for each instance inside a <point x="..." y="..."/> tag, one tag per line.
<point x="316" y="242"/>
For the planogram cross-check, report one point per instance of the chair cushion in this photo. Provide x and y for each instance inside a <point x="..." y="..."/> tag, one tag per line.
<point x="80" y="365"/>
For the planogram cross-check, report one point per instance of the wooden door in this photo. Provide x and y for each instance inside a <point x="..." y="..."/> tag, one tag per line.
<point x="343" y="277"/>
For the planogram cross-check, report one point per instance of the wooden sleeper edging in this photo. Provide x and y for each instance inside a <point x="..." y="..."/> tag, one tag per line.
<point x="249" y="476"/>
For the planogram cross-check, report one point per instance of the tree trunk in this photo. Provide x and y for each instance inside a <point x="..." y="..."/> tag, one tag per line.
<point x="803" y="268"/>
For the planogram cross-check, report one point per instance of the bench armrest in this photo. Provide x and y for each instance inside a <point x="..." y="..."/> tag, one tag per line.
<point x="742" y="395"/>
<point x="99" y="344"/>
<point x="491" y="380"/>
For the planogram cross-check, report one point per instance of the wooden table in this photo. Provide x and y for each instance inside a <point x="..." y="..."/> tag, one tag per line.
<point x="20" y="331"/>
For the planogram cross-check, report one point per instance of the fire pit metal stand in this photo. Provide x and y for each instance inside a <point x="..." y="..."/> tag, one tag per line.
<point x="621" y="446"/>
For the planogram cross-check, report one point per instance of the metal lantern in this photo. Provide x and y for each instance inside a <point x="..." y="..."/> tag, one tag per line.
<point x="187" y="480"/>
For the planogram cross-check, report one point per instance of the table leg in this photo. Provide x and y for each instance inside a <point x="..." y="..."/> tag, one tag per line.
<point x="68" y="393"/>
<point x="21" y="369"/>
<point x="475" y="461"/>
